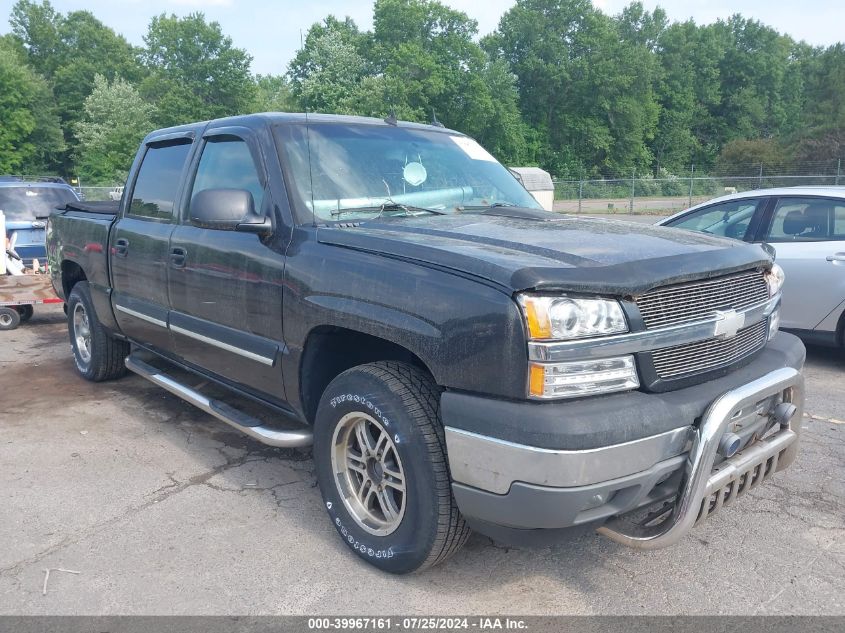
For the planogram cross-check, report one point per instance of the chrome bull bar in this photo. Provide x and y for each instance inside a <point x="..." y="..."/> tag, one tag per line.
<point x="731" y="477"/>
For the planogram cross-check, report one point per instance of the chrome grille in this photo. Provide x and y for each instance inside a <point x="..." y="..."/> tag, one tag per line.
<point x="684" y="303"/>
<point x="701" y="356"/>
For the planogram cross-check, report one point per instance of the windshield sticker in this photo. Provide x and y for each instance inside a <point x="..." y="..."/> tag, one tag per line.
<point x="414" y="174"/>
<point x="472" y="149"/>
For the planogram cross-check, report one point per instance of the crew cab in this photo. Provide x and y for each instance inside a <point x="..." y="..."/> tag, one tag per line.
<point x="458" y="358"/>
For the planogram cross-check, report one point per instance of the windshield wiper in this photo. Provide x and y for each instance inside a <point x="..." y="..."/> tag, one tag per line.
<point x="389" y="206"/>
<point x="490" y="206"/>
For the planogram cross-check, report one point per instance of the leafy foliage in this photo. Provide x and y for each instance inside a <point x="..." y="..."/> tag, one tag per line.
<point x="116" y="118"/>
<point x="559" y="84"/>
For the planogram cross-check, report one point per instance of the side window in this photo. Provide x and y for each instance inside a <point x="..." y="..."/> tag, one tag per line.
<point x="226" y="163"/>
<point x="805" y="220"/>
<point x="729" y="219"/>
<point x="158" y="179"/>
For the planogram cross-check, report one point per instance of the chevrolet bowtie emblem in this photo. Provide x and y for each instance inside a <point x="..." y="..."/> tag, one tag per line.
<point x="728" y="323"/>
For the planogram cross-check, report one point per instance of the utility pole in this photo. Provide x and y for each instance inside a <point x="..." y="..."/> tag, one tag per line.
<point x="631" y="206"/>
<point x="838" y="170"/>
<point x="691" y="176"/>
<point x="760" y="183"/>
<point x="580" y="191"/>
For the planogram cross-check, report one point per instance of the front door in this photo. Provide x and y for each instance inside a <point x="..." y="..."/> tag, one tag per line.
<point x="140" y="243"/>
<point x="226" y="286"/>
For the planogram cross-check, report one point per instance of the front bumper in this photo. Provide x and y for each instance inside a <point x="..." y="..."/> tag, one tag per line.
<point x="500" y="482"/>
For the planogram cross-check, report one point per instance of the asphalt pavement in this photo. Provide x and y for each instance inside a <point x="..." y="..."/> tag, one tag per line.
<point x="163" y="510"/>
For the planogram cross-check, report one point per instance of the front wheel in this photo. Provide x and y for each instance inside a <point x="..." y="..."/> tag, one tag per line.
<point x="98" y="356"/>
<point x="381" y="464"/>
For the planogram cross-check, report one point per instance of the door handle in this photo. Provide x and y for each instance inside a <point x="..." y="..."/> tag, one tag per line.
<point x="836" y="257"/>
<point x="178" y="256"/>
<point x="121" y="247"/>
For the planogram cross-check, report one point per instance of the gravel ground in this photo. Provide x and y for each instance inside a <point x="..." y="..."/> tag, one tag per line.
<point x="163" y="510"/>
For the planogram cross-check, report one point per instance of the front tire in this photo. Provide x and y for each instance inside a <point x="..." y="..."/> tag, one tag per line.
<point x="26" y="311"/>
<point x="98" y="356"/>
<point x="380" y="455"/>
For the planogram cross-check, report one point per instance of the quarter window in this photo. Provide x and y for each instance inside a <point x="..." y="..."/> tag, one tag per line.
<point x="226" y="163"/>
<point x="158" y="181"/>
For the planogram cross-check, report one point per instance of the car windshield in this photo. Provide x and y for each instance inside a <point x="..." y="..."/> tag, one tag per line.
<point x="361" y="171"/>
<point x="29" y="203"/>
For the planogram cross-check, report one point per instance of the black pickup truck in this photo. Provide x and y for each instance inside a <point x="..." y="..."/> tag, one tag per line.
<point x="458" y="357"/>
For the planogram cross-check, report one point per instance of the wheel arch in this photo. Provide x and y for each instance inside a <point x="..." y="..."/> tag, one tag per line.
<point x="331" y="350"/>
<point x="72" y="274"/>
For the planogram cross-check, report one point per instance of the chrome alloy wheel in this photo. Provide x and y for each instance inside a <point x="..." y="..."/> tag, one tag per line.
<point x="82" y="333"/>
<point x="5" y="320"/>
<point x="368" y="473"/>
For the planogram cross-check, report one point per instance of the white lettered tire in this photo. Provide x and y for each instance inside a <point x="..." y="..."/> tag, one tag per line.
<point x="380" y="455"/>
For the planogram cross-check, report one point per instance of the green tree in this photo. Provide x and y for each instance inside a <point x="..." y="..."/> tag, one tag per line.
<point x="69" y="51"/>
<point x="688" y="91"/>
<point x="30" y="135"/>
<point x="585" y="83"/>
<point x="421" y="57"/>
<point x="116" y="118"/>
<point x="273" y="94"/>
<point x="195" y="72"/>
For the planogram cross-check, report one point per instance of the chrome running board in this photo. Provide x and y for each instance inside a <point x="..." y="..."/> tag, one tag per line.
<point x="243" y="422"/>
<point x="743" y="471"/>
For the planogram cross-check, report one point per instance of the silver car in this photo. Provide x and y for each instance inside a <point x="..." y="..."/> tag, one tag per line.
<point x="806" y="226"/>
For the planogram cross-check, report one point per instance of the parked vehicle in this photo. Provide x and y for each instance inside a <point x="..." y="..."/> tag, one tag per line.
<point x="806" y="227"/>
<point x="116" y="193"/>
<point x="27" y="202"/>
<point x="459" y="357"/>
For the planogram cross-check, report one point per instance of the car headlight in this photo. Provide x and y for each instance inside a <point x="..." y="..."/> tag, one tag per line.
<point x="774" y="279"/>
<point x="564" y="318"/>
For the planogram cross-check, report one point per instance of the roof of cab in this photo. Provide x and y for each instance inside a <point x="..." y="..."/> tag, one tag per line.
<point x="264" y="118"/>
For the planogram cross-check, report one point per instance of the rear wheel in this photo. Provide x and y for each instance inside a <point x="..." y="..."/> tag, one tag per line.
<point x="381" y="464"/>
<point x="9" y="318"/>
<point x="26" y="312"/>
<point x="97" y="354"/>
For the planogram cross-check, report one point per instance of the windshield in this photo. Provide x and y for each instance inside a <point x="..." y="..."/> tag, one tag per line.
<point x="29" y="203"/>
<point x="360" y="171"/>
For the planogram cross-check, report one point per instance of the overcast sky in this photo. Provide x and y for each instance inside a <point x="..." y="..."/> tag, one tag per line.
<point x="269" y="30"/>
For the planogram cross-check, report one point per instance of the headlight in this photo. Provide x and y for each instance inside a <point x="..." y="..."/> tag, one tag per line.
<point x="774" y="279"/>
<point x="563" y="318"/>
<point x="582" y="378"/>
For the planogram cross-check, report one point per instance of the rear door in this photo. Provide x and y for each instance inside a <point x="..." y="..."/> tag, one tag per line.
<point x="808" y="234"/>
<point x="140" y="240"/>
<point x="226" y="286"/>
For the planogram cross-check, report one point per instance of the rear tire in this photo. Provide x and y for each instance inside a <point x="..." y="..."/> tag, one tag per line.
<point x="380" y="423"/>
<point x="9" y="318"/>
<point x="98" y="355"/>
<point x="26" y="312"/>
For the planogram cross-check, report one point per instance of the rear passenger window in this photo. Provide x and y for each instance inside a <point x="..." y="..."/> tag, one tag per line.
<point x="804" y="220"/>
<point x="158" y="181"/>
<point x="226" y="163"/>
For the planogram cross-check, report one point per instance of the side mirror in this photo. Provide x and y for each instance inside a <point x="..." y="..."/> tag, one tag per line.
<point x="228" y="210"/>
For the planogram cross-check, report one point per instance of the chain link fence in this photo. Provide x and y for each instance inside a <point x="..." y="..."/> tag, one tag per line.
<point x="94" y="194"/>
<point x="670" y="193"/>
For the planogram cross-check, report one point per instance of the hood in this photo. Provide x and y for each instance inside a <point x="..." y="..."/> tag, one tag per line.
<point x="527" y="249"/>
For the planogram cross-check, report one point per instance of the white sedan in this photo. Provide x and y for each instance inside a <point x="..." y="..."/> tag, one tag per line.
<point x="806" y="227"/>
